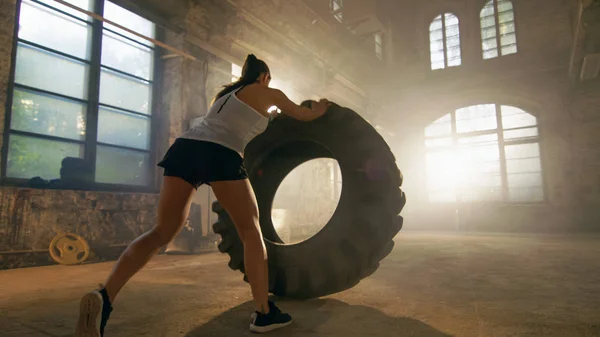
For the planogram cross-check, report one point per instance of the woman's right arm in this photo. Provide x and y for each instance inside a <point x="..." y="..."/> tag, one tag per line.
<point x="295" y="111"/>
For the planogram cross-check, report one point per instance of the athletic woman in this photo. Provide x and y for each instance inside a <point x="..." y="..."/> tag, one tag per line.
<point x="209" y="153"/>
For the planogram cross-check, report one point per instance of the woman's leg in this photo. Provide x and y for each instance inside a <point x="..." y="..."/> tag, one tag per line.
<point x="238" y="199"/>
<point x="173" y="208"/>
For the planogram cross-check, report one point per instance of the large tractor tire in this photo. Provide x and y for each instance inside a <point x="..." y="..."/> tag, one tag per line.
<point x="359" y="234"/>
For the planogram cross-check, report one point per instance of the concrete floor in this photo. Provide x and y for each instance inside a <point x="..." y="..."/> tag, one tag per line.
<point x="432" y="285"/>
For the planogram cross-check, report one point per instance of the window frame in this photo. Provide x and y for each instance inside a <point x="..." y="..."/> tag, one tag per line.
<point x="497" y="30"/>
<point x="445" y="42"/>
<point x="92" y="103"/>
<point x="454" y="135"/>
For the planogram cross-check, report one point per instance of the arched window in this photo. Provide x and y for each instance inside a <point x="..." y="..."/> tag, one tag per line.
<point x="444" y="41"/>
<point x="484" y="152"/>
<point x="498" y="29"/>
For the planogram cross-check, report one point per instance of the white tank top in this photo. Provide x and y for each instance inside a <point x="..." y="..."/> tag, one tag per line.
<point x="229" y="122"/>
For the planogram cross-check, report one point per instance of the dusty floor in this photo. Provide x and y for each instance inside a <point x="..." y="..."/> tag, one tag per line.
<point x="431" y="285"/>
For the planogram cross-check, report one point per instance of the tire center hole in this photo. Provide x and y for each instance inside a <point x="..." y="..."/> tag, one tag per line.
<point x="306" y="199"/>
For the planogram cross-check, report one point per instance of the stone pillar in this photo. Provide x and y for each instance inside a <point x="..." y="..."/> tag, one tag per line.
<point x="8" y="10"/>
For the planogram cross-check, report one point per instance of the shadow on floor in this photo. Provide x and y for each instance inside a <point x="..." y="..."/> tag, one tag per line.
<point x="319" y="317"/>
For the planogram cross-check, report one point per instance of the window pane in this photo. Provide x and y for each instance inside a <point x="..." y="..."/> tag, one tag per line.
<point x="442" y="196"/>
<point x="47" y="115"/>
<point x="481" y="194"/>
<point x="49" y="28"/>
<point x="527" y="165"/>
<point x="452" y="35"/>
<point x="505" y="17"/>
<point x="526" y="194"/>
<point x="476" y="111"/>
<point x="441" y="170"/>
<point x="83" y="4"/>
<point x="508" y="39"/>
<point x="378" y="39"/>
<point x="453" y="42"/>
<point x="490" y="43"/>
<point x="35" y="157"/>
<point x="436" y="35"/>
<point x="124" y="129"/>
<point x="509" y="50"/>
<point x="469" y="156"/>
<point x="520" y="133"/>
<point x="452" y="31"/>
<point x="436" y="46"/>
<point x="438" y="142"/>
<point x="491" y="139"/>
<point x="531" y="150"/>
<point x="441" y="127"/>
<point x="487" y="167"/>
<point x="488" y="54"/>
<point x="124" y="92"/>
<point x="478" y="165"/>
<point x="437" y="65"/>
<point x="476" y="118"/>
<point x="437" y="57"/>
<point x="504" y="5"/>
<point x="525" y="179"/>
<point x="506" y="30"/>
<point x="488" y="21"/>
<point x="474" y="172"/>
<point x="50" y="72"/>
<point x="488" y="34"/>
<point x="474" y="181"/>
<point x="488" y="9"/>
<point x="436" y="24"/>
<point x="453" y="53"/>
<point x="516" y="118"/>
<point x="451" y="19"/>
<point x="126" y="56"/>
<point x="453" y="62"/>
<point x="118" y="166"/>
<point x="128" y="20"/>
<point x="379" y="51"/>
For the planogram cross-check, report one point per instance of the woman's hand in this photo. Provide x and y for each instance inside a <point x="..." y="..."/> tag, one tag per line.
<point x="299" y="112"/>
<point x="320" y="107"/>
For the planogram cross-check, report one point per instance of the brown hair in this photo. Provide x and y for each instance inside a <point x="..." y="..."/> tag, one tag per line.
<point x="251" y="70"/>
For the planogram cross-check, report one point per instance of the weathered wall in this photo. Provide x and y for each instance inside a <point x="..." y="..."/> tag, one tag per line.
<point x="585" y="153"/>
<point x="7" y="28"/>
<point x="30" y="218"/>
<point x="535" y="79"/>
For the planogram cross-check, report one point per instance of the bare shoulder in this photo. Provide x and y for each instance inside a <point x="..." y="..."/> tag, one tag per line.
<point x="257" y="96"/>
<point x="258" y="93"/>
<point x="251" y="90"/>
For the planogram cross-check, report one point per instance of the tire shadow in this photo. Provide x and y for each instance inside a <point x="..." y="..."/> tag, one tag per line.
<point x="319" y="317"/>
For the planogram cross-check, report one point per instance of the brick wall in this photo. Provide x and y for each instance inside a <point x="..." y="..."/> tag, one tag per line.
<point x="30" y="218"/>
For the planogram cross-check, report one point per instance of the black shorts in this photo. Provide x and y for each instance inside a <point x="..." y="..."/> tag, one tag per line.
<point x="200" y="162"/>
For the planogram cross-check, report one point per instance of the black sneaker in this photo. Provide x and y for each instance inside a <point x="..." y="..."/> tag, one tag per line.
<point x="275" y="319"/>
<point x="94" y="311"/>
